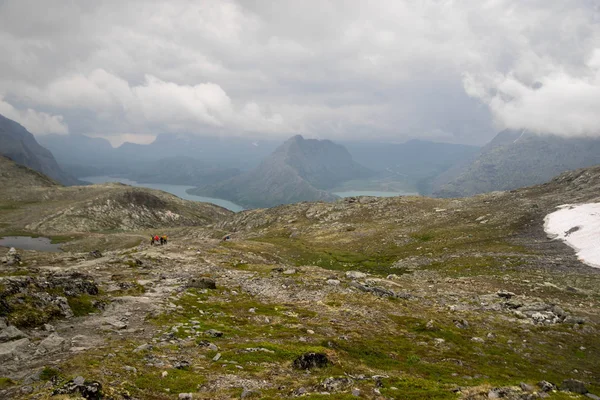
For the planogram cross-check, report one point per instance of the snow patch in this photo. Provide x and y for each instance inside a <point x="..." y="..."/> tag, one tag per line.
<point x="579" y="227"/>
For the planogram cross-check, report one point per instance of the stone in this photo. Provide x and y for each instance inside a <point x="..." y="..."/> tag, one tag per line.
<point x="336" y="384"/>
<point x="201" y="283"/>
<point x="505" y="294"/>
<point x="52" y="344"/>
<point x="185" y="396"/>
<point x="546" y="386"/>
<point x="3" y="323"/>
<point x="91" y="390"/>
<point x="115" y="323"/>
<point x="11" y="333"/>
<point x="10" y="350"/>
<point x="527" y="387"/>
<point x="130" y="369"/>
<point x="356" y="392"/>
<point x="592" y="396"/>
<point x="333" y="282"/>
<point x="290" y="271"/>
<point x="214" y="333"/>
<point x="217" y="357"/>
<point x="143" y="347"/>
<point x="181" y="364"/>
<point x="477" y="340"/>
<point x="247" y="394"/>
<point x="311" y="360"/>
<point x="49" y="328"/>
<point x="355" y="275"/>
<point x="574" y="386"/>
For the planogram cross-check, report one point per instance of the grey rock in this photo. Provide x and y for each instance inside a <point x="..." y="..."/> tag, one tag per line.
<point x="247" y="394"/>
<point x="3" y="323"/>
<point x="217" y="357"/>
<point x="355" y="275"/>
<point x="526" y="387"/>
<point x="185" y="396"/>
<point x="333" y="282"/>
<point x="10" y="350"/>
<point x="143" y="347"/>
<point x="214" y="333"/>
<point x="79" y="381"/>
<point x="336" y="384"/>
<point x="546" y="386"/>
<point x="11" y="333"/>
<point x="574" y="386"/>
<point x="356" y="392"/>
<point x="27" y="390"/>
<point x="130" y="369"/>
<point x="505" y="294"/>
<point x="52" y="344"/>
<point x="290" y="271"/>
<point x="592" y="396"/>
<point x="201" y="283"/>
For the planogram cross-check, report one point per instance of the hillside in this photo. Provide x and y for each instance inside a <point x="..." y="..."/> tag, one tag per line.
<point x="20" y="145"/>
<point x="516" y="159"/>
<point x="416" y="162"/>
<point x="397" y="298"/>
<point x="299" y="170"/>
<point x="34" y="203"/>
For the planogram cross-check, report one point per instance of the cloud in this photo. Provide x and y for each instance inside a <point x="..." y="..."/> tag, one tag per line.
<point x="40" y="123"/>
<point x="386" y="69"/>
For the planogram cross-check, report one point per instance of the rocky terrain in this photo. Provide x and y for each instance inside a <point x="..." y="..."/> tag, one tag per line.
<point x="376" y="298"/>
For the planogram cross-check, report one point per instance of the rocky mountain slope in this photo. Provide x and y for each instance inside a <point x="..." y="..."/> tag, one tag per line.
<point x="375" y="298"/>
<point x="19" y="145"/>
<point x="47" y="207"/>
<point x="299" y="170"/>
<point x="516" y="159"/>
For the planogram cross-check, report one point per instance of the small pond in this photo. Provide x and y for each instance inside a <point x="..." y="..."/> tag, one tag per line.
<point x="29" y="243"/>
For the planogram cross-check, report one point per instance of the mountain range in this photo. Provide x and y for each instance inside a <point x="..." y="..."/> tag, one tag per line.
<point x="298" y="170"/>
<point x="18" y="144"/>
<point x="517" y="158"/>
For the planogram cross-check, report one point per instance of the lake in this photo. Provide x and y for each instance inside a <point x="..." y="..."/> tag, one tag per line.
<point x="355" y="193"/>
<point x="177" y="190"/>
<point x="29" y="243"/>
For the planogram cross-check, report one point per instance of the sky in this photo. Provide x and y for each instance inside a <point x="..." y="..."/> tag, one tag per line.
<point x="445" y="70"/>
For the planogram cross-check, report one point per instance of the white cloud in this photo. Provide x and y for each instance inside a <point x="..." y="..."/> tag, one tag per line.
<point x="388" y="68"/>
<point x="35" y="122"/>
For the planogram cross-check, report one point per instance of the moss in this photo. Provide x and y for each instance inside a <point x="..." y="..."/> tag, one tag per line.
<point x="82" y="305"/>
<point x="49" y="373"/>
<point x="5" y="383"/>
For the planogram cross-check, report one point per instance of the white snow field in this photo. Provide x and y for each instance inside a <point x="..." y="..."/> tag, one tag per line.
<point x="579" y="226"/>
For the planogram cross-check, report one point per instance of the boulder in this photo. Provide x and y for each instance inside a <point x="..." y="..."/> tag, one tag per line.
<point x="11" y="333"/>
<point x="311" y="360"/>
<point x="355" y="275"/>
<point x="89" y="390"/>
<point x="574" y="386"/>
<point x="201" y="283"/>
<point x="10" y="350"/>
<point x="52" y="344"/>
<point x="336" y="384"/>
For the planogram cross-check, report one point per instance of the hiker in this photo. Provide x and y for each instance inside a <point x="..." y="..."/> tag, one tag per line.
<point x="151" y="240"/>
<point x="156" y="239"/>
<point x="164" y="239"/>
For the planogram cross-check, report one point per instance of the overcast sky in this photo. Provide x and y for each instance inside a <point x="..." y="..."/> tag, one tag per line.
<point x="449" y="70"/>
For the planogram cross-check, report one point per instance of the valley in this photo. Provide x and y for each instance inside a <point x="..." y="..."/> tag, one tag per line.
<point x="406" y="297"/>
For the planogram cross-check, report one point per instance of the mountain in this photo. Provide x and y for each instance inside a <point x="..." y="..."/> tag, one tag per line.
<point x="516" y="159"/>
<point x="298" y="170"/>
<point x="39" y="204"/>
<point x="18" y="144"/>
<point x="417" y="162"/>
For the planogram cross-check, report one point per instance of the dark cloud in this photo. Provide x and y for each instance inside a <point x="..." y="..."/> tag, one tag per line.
<point x="353" y="69"/>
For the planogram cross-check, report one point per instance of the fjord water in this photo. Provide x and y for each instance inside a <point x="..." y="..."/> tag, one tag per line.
<point x="177" y="190"/>
<point x="29" y="243"/>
